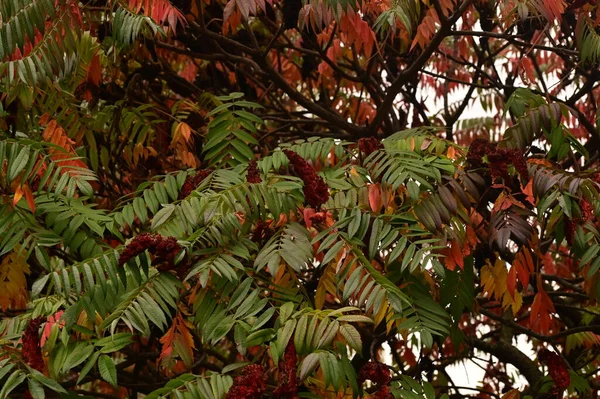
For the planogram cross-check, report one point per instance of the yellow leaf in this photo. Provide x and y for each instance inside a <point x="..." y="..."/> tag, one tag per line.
<point x="494" y="278"/>
<point x="13" y="284"/>
<point x="513" y="301"/>
<point x="326" y="285"/>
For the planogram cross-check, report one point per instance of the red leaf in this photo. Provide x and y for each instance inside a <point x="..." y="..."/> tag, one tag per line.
<point x="160" y="11"/>
<point x="540" y="317"/>
<point x="52" y="320"/>
<point x="511" y="280"/>
<point x="523" y="265"/>
<point x="95" y="71"/>
<point x="357" y="32"/>
<point x="177" y="341"/>
<point x="29" y="197"/>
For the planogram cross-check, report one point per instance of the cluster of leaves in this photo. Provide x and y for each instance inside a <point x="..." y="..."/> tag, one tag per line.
<point x="165" y="235"/>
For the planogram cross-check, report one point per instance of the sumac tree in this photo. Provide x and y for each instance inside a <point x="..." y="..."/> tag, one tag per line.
<point x="248" y="199"/>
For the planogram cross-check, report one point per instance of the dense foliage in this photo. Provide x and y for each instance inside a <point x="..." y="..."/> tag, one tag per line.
<point x="244" y="199"/>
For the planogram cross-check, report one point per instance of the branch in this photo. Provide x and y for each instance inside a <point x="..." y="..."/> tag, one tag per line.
<point x="545" y="338"/>
<point x="509" y="354"/>
<point x="412" y="71"/>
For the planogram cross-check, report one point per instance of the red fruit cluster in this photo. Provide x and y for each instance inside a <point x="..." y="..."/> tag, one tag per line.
<point x="379" y="374"/>
<point x="253" y="175"/>
<point x="375" y="372"/>
<point x="32" y="351"/>
<point x="498" y="158"/>
<point x="249" y="385"/>
<point x="369" y="145"/>
<point x="193" y="181"/>
<point x="262" y="232"/>
<point x="315" y="190"/>
<point x="586" y="212"/>
<point x="383" y="393"/>
<point x="318" y="218"/>
<point x="288" y="385"/>
<point x="164" y="249"/>
<point x="557" y="367"/>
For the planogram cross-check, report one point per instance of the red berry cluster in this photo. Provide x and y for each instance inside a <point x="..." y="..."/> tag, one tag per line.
<point x="557" y="367"/>
<point x="498" y="158"/>
<point x="164" y="249"/>
<point x="315" y="190"/>
<point x="253" y="175"/>
<point x="318" y="218"/>
<point x="262" y="232"/>
<point x="32" y="351"/>
<point x="379" y="374"/>
<point x="383" y="393"/>
<point x="369" y="145"/>
<point x="587" y="213"/>
<point x="375" y="372"/>
<point x="587" y="210"/>
<point x="193" y="181"/>
<point x="249" y="385"/>
<point x="288" y="385"/>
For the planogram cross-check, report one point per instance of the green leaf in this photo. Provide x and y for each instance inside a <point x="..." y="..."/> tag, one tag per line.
<point x="77" y="355"/>
<point x="18" y="164"/>
<point x="308" y="365"/>
<point x="107" y="369"/>
<point x="50" y="383"/>
<point x="352" y="337"/>
<point x="35" y="389"/>
<point x="162" y="216"/>
<point x="16" y="378"/>
<point x="88" y="366"/>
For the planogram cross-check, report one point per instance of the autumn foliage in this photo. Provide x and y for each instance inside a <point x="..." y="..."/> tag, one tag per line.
<point x="244" y="199"/>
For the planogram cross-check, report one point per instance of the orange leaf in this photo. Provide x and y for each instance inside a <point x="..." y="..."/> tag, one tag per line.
<point x="182" y="131"/>
<point x="512" y="394"/>
<point x="18" y="195"/>
<point x="55" y="134"/>
<point x="451" y="153"/>
<point x="453" y="256"/>
<point x="177" y="341"/>
<point x="375" y="197"/>
<point x="528" y="191"/>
